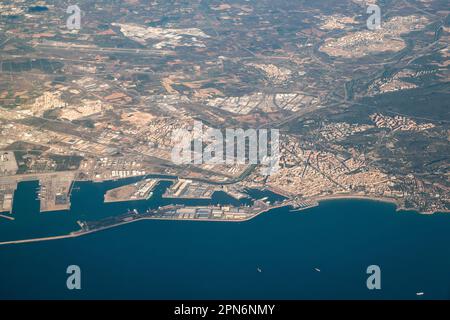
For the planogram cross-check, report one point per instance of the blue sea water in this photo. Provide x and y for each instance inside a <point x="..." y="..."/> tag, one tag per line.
<point x="215" y="260"/>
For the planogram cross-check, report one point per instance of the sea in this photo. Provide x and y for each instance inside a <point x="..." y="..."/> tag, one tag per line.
<point x="318" y="253"/>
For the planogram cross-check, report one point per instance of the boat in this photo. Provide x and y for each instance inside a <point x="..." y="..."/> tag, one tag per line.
<point x="317" y="269"/>
<point x="149" y="196"/>
<point x="259" y="270"/>
<point x="420" y="293"/>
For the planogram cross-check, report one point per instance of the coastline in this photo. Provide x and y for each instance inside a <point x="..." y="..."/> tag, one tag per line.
<point x="80" y="233"/>
<point x="356" y="197"/>
<point x="397" y="203"/>
<point x="168" y="177"/>
<point x="318" y="200"/>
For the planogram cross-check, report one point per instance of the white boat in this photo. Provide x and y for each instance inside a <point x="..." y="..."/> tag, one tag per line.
<point x="259" y="270"/>
<point x="420" y="293"/>
<point x="317" y="269"/>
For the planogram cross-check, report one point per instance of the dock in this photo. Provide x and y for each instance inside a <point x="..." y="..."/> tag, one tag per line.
<point x="141" y="190"/>
<point x="54" y="192"/>
<point x="7" y="191"/>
